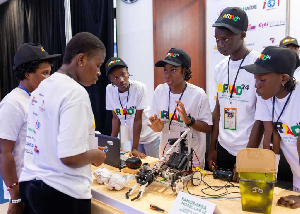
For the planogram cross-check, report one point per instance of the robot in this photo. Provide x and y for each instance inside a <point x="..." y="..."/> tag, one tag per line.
<point x="172" y="172"/>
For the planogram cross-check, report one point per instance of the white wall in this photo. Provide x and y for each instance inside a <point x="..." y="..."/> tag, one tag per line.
<point x="295" y="19"/>
<point x="135" y="40"/>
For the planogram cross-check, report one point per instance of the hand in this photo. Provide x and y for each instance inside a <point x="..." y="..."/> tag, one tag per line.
<point x="15" y="208"/>
<point x="212" y="160"/>
<point x="291" y="201"/>
<point x="136" y="153"/>
<point x="182" y="113"/>
<point x="156" y="124"/>
<point x="100" y="156"/>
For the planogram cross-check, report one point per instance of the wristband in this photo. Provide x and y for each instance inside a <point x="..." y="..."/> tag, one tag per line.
<point x="192" y="121"/>
<point x="11" y="186"/>
<point x="15" y="201"/>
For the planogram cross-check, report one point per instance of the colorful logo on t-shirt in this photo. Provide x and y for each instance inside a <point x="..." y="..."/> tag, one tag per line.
<point x="285" y="129"/>
<point x="230" y="16"/>
<point x="122" y="112"/>
<point x="237" y="90"/>
<point x="168" y="115"/>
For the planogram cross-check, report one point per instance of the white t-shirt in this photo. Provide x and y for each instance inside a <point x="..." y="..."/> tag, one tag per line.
<point x="137" y="100"/>
<point x="297" y="74"/>
<point x="196" y="105"/>
<point x="243" y="102"/>
<point x="60" y="124"/>
<point x="13" y="124"/>
<point x="288" y="126"/>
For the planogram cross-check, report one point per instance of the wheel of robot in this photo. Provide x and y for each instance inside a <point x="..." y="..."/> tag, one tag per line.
<point x="196" y="178"/>
<point x="179" y="186"/>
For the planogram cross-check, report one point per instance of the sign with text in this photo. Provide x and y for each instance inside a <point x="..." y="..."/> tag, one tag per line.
<point x="189" y="204"/>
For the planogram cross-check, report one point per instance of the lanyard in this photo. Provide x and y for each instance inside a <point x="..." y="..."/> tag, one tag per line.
<point x="63" y="70"/>
<point x="273" y="109"/>
<point x="25" y="90"/>
<point x="247" y="52"/>
<point x="126" y="102"/>
<point x="176" y="105"/>
<point x="286" y="102"/>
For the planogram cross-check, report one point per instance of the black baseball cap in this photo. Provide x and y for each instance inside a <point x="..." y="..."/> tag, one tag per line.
<point x="288" y="41"/>
<point x="113" y="62"/>
<point x="275" y="59"/>
<point x="234" y="19"/>
<point x="29" y="52"/>
<point x="176" y="57"/>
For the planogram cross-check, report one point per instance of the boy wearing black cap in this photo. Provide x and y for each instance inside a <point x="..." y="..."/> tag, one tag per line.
<point x="292" y="44"/>
<point x="32" y="64"/>
<point x="178" y="104"/>
<point x="233" y="116"/>
<point x="127" y="99"/>
<point x="279" y="100"/>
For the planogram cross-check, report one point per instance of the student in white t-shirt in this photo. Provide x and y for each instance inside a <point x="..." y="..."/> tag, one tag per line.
<point x="178" y="104"/>
<point x="233" y="115"/>
<point x="279" y="101"/>
<point x="127" y="99"/>
<point x="59" y="149"/>
<point x="32" y="64"/>
<point x="292" y="44"/>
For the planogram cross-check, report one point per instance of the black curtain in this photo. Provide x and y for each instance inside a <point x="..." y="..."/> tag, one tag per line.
<point x="38" y="21"/>
<point x="96" y="17"/>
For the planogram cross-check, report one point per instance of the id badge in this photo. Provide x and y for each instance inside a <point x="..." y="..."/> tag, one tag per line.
<point x="125" y="133"/>
<point x="230" y="118"/>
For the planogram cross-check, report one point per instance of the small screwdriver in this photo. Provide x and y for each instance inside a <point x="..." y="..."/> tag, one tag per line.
<point x="153" y="207"/>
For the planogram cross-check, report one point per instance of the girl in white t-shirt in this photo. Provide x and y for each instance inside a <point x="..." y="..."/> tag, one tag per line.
<point x="178" y="104"/>
<point x="59" y="150"/>
<point x="279" y="102"/>
<point x="32" y="64"/>
<point x="127" y="100"/>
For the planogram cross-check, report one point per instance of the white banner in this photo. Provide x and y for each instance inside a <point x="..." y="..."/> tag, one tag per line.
<point x="267" y="26"/>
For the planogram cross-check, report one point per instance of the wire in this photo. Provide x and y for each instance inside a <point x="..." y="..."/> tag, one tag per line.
<point x="214" y="188"/>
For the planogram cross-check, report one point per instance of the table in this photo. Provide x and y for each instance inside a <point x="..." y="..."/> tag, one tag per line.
<point x="163" y="197"/>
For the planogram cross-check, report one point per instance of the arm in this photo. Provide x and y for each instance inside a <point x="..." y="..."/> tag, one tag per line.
<point x="291" y="201"/>
<point x="212" y="155"/>
<point x="137" y="127"/>
<point x="94" y="156"/>
<point x="198" y="125"/>
<point x="115" y="122"/>
<point x="257" y="132"/>
<point x="9" y="173"/>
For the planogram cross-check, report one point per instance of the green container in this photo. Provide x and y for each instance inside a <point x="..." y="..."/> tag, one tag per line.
<point x="257" y="191"/>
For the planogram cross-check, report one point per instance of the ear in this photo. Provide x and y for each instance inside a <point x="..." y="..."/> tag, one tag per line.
<point x="285" y="78"/>
<point x="81" y="58"/>
<point x="243" y="35"/>
<point x="26" y="75"/>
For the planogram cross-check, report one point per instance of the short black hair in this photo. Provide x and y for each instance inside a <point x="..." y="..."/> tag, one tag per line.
<point x="28" y="67"/>
<point x="188" y="73"/>
<point x="290" y="85"/>
<point x="85" y="43"/>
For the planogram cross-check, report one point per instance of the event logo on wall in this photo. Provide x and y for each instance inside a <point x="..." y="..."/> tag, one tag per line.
<point x="271" y="4"/>
<point x="250" y="7"/>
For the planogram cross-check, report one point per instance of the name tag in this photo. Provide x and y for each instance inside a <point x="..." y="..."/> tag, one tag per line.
<point x="230" y="116"/>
